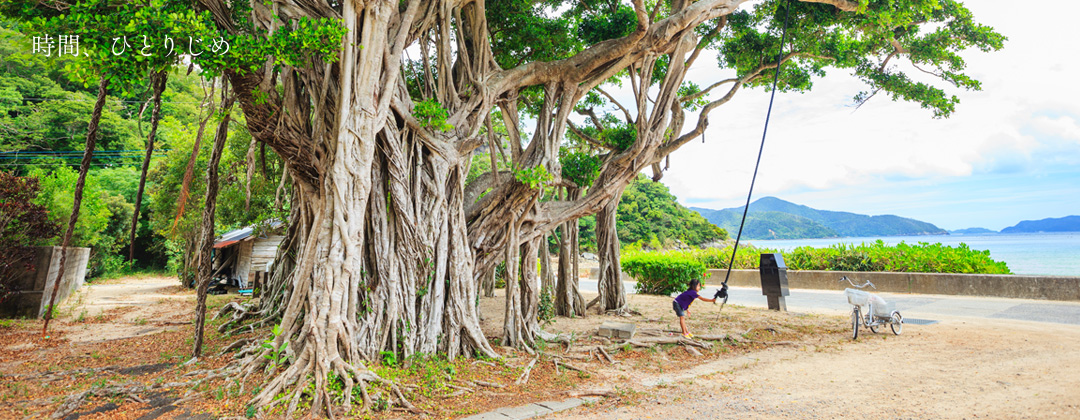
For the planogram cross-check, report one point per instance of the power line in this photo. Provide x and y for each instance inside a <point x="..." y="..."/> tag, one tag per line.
<point x="130" y="101"/>
<point x="135" y="164"/>
<point x="79" y="151"/>
<point x="72" y="157"/>
<point x="44" y="156"/>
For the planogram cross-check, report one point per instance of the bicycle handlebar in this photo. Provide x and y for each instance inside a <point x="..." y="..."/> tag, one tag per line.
<point x="868" y="283"/>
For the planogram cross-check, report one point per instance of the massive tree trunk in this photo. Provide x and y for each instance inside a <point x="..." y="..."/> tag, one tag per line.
<point x="382" y="261"/>
<point x="612" y="293"/>
<point x="157" y="80"/>
<point x="84" y="167"/>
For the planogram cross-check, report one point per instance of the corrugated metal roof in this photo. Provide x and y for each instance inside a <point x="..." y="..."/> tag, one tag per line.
<point x="223" y="244"/>
<point x="232" y="237"/>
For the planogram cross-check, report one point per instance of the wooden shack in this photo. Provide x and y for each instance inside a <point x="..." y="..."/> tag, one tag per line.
<point x="245" y="253"/>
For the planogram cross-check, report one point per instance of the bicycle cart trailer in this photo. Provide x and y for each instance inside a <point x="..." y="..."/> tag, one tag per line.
<point x="877" y="312"/>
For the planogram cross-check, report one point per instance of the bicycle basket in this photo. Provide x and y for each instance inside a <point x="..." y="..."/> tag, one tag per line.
<point x="857" y="297"/>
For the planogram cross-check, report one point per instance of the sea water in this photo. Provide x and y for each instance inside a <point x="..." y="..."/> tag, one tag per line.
<point x="1052" y="254"/>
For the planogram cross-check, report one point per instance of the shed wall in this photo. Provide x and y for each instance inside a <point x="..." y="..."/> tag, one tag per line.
<point x="264" y="251"/>
<point x="243" y="262"/>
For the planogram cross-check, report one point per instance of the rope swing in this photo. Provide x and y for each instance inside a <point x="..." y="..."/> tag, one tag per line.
<point x="746" y="208"/>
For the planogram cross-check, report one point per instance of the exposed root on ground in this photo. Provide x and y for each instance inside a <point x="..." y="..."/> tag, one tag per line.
<point x="524" y="378"/>
<point x="131" y="392"/>
<point x="571" y="367"/>
<point x="240" y="313"/>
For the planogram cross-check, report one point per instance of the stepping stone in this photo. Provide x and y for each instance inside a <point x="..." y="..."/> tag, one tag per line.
<point x="619" y="330"/>
<point x="525" y="412"/>
<point x="561" y="405"/>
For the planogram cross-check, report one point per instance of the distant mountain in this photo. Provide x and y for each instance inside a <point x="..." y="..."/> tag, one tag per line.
<point x="1061" y="224"/>
<point x="767" y="224"/>
<point x="773" y="218"/>
<point x="972" y="231"/>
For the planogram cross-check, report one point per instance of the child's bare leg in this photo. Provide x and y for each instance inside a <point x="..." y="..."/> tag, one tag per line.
<point x="682" y="323"/>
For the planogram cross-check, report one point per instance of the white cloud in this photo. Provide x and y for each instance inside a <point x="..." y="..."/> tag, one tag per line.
<point x="818" y="142"/>
<point x="1065" y="127"/>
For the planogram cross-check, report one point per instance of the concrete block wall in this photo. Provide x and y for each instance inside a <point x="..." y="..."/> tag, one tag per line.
<point x="1008" y="286"/>
<point x="36" y="286"/>
<point x="994" y="285"/>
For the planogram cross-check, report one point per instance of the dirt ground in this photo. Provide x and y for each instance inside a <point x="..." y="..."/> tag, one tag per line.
<point x="765" y="365"/>
<point x="957" y="369"/>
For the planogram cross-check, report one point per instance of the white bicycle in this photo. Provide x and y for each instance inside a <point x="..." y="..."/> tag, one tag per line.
<point x="878" y="313"/>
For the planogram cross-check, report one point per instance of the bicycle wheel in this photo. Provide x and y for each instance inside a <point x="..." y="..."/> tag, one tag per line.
<point x="855" y="323"/>
<point x="897" y="323"/>
<point x="873" y="329"/>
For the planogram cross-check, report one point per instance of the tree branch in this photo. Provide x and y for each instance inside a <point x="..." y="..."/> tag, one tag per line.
<point x="845" y="5"/>
<point x="626" y="113"/>
<point x="586" y="137"/>
<point x="659" y="34"/>
<point x="704" y="42"/>
<point x="706" y="91"/>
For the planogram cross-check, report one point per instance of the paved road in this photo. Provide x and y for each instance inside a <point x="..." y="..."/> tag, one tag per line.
<point x="920" y="307"/>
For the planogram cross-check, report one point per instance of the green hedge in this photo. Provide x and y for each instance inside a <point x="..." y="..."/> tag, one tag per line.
<point x="662" y="273"/>
<point x="877" y="256"/>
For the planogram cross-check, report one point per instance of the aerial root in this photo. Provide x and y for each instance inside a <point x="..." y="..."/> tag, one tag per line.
<point x="299" y="379"/>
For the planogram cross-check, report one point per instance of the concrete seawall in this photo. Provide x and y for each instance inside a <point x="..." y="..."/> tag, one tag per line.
<point x="1007" y="286"/>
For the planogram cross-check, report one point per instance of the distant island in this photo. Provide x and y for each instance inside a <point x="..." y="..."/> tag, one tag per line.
<point x="1060" y="224"/>
<point x="972" y="231"/>
<point x="773" y="218"/>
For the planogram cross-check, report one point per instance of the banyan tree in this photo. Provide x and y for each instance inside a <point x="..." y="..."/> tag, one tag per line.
<point x="379" y="106"/>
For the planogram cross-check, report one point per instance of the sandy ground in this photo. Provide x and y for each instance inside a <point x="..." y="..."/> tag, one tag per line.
<point x="149" y="305"/>
<point x="960" y="368"/>
<point x="957" y="369"/>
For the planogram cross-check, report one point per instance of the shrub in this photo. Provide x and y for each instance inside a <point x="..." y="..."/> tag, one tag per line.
<point x="877" y="256"/>
<point x="662" y="273"/>
<point x="22" y="224"/>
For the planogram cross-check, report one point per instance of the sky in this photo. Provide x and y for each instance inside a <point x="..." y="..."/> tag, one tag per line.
<point x="1010" y="152"/>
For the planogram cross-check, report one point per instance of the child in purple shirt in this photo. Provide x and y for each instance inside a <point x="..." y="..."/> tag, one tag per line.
<point x="681" y="304"/>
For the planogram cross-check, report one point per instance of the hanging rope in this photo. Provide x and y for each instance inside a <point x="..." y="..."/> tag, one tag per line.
<point x="746" y="208"/>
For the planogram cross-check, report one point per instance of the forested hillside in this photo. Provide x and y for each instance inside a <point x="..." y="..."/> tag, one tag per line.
<point x="773" y="218"/>
<point x="44" y="115"/>
<point x="650" y="214"/>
